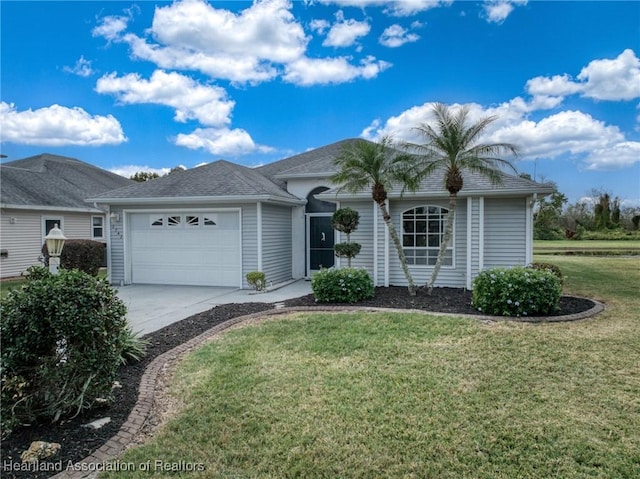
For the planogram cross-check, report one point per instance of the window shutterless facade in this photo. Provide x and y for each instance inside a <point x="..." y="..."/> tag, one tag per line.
<point x="423" y="230"/>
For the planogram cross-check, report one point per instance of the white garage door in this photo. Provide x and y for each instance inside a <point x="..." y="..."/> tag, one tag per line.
<point x="186" y="248"/>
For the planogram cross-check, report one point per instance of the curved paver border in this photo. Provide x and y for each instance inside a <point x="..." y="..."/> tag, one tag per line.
<point x="139" y="415"/>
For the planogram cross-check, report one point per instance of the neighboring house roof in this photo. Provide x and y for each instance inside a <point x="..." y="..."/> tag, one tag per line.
<point x="54" y="182"/>
<point x="218" y="181"/>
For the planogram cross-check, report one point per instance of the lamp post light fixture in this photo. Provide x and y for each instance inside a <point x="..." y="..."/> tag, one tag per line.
<point x="55" y="242"/>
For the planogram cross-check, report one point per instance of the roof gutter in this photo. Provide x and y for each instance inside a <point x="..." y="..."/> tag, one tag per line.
<point x="9" y="206"/>
<point x="334" y="197"/>
<point x="183" y="200"/>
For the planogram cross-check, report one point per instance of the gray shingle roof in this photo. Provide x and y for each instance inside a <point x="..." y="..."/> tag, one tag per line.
<point x="310" y="163"/>
<point x="54" y="181"/>
<point x="218" y="179"/>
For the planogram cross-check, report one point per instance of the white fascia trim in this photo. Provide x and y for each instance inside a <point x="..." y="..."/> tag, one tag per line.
<point x="337" y="239"/>
<point x="431" y="195"/>
<point x="386" y="249"/>
<point x="51" y="208"/>
<point x="529" y="229"/>
<point x="108" y="234"/>
<point x="375" y="243"/>
<point x="481" y="234"/>
<point x="469" y="240"/>
<point x="182" y="200"/>
<point x="259" y="227"/>
<point x="284" y="176"/>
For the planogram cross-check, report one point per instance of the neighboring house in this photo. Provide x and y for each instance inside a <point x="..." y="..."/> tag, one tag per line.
<point x="213" y="224"/>
<point x="40" y="191"/>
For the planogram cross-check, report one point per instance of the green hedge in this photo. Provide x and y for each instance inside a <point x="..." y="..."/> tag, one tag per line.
<point x="343" y="285"/>
<point x="517" y="291"/>
<point x="85" y="255"/>
<point x="61" y="343"/>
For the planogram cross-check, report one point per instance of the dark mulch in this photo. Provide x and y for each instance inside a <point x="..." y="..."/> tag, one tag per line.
<point x="78" y="441"/>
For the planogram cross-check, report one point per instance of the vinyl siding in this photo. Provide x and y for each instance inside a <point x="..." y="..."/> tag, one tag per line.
<point x="362" y="235"/>
<point x="276" y="243"/>
<point x="504" y="232"/>
<point x="449" y="276"/>
<point x="24" y="238"/>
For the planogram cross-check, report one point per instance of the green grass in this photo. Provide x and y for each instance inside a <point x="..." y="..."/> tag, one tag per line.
<point x="587" y="247"/>
<point x="400" y="395"/>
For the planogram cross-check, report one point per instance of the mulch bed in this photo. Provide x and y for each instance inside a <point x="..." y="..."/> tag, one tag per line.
<point x="78" y="441"/>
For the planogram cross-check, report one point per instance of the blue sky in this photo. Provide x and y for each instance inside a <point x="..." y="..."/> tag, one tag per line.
<point x="149" y="85"/>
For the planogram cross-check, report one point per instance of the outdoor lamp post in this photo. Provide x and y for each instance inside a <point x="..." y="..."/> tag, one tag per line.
<point x="55" y="242"/>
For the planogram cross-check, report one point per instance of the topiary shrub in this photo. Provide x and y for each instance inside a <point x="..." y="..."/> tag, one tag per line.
<point x="257" y="280"/>
<point x="85" y="255"/>
<point x="61" y="344"/>
<point x="553" y="268"/>
<point x="516" y="291"/>
<point x="346" y="221"/>
<point x="344" y="285"/>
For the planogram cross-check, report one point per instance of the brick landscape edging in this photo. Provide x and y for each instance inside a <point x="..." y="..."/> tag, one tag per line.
<point x="139" y="415"/>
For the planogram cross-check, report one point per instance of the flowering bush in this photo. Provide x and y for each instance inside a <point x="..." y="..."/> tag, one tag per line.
<point x="553" y="268"/>
<point x="344" y="285"/>
<point x="516" y="291"/>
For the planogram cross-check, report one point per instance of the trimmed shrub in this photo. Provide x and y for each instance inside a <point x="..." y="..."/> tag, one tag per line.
<point x="344" y="285"/>
<point x="346" y="221"/>
<point x="61" y="342"/>
<point x="553" y="268"/>
<point x="516" y="291"/>
<point x="85" y="255"/>
<point x="347" y="250"/>
<point x="257" y="280"/>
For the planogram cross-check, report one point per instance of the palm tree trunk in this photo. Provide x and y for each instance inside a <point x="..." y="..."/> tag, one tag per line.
<point x="448" y="232"/>
<point x="396" y="242"/>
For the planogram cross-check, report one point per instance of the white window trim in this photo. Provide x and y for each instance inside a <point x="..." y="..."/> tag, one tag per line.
<point x="452" y="248"/>
<point x="102" y="226"/>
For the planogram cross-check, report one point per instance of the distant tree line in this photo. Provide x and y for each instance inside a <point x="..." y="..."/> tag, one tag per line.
<point x="142" y="176"/>
<point x="601" y="217"/>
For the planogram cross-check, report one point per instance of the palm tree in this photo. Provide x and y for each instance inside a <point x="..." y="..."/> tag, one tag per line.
<point x="365" y="164"/>
<point x="454" y="146"/>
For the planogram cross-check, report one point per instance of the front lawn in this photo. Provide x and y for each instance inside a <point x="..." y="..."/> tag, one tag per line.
<point x="402" y="395"/>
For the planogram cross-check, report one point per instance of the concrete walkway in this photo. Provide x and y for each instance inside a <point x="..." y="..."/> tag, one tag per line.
<point x="152" y="307"/>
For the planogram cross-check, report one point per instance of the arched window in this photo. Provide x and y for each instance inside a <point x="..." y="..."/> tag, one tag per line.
<point x="318" y="206"/>
<point x="422" y="232"/>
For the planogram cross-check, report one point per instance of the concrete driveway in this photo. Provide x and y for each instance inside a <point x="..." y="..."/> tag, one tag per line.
<point x="152" y="307"/>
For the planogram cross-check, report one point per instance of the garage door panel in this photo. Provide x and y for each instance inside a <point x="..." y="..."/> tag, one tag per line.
<point x="184" y="254"/>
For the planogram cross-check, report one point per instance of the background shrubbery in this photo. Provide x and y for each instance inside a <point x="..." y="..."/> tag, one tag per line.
<point x="344" y="285"/>
<point x="85" y="255"/>
<point x="62" y="341"/>
<point x="517" y="291"/>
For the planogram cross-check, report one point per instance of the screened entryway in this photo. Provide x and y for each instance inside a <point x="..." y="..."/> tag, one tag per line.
<point x="320" y="233"/>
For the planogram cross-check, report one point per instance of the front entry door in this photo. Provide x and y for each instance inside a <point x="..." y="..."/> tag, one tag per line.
<point x="320" y="243"/>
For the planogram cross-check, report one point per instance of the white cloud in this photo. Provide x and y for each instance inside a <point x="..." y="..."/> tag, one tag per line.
<point x="252" y="46"/>
<point x="221" y="141"/>
<point x="617" y="79"/>
<point x="320" y="26"/>
<point x="620" y="155"/>
<point x="396" y="36"/>
<point x="313" y="71"/>
<point x="81" y="68"/>
<point x="396" y="8"/>
<point x="111" y="27"/>
<point x="345" y="33"/>
<point x="497" y="11"/>
<point x="191" y="100"/>
<point x="603" y="79"/>
<point x="58" y="126"/>
<point x="573" y="133"/>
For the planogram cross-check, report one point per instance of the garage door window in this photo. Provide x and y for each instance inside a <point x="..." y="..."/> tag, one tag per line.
<point x="183" y="221"/>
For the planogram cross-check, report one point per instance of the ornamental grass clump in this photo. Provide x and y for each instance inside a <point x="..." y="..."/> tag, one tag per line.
<point x="516" y="291"/>
<point x="344" y="285"/>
